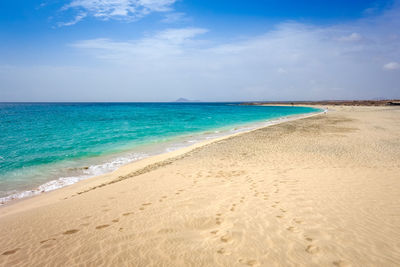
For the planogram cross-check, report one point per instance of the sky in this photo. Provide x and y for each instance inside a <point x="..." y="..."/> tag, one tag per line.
<point x="208" y="50"/>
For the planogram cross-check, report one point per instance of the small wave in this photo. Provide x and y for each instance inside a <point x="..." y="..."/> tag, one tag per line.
<point x="87" y="172"/>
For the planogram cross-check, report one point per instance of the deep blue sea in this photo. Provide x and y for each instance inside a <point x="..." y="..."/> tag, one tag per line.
<point x="44" y="146"/>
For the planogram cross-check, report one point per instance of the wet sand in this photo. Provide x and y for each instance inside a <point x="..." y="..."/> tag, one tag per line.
<point x="320" y="191"/>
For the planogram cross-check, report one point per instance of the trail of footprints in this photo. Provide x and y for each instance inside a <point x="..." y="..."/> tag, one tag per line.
<point x="224" y="237"/>
<point x="294" y="225"/>
<point x="47" y="243"/>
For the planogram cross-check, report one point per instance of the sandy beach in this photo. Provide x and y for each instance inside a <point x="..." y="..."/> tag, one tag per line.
<point x="318" y="191"/>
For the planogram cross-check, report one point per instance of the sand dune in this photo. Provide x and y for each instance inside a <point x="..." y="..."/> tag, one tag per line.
<point x="320" y="191"/>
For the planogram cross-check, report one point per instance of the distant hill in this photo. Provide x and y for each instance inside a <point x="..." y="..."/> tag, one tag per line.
<point x="181" y="99"/>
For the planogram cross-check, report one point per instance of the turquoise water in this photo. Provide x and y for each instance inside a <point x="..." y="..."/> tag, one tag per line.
<point x="47" y="141"/>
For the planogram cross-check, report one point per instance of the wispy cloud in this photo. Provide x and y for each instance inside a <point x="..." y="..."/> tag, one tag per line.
<point x="336" y="61"/>
<point x="354" y="37"/>
<point x="115" y="9"/>
<point x="391" y="66"/>
<point x="174" y="17"/>
<point x="165" y="43"/>
<point x="76" y="19"/>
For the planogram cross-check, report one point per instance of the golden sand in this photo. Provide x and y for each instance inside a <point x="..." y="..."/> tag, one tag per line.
<point x="320" y="191"/>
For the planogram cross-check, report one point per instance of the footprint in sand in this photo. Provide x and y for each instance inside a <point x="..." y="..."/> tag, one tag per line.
<point x="70" y="232"/>
<point x="218" y="220"/>
<point x="144" y="205"/>
<point x="309" y="239"/>
<point x="221" y="251"/>
<point x="47" y="240"/>
<point x="298" y="221"/>
<point x="47" y="243"/>
<point x="341" y="263"/>
<point x="293" y="229"/>
<point x="127" y="213"/>
<point x="115" y="220"/>
<point x="9" y="252"/>
<point x="248" y="262"/>
<point x="226" y="238"/>
<point x="102" y="226"/>
<point x="312" y="249"/>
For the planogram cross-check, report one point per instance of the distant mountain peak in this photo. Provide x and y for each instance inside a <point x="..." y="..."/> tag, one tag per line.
<point x="181" y="99"/>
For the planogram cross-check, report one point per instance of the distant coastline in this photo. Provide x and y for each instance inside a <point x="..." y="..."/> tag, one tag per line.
<point x="391" y="102"/>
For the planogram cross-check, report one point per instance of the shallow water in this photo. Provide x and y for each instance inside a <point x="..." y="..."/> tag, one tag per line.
<point x="44" y="146"/>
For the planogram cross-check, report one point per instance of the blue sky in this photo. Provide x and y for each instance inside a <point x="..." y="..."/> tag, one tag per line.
<point x="159" y="50"/>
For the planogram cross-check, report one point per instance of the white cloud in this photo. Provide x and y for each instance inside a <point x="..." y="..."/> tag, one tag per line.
<point x="391" y="66"/>
<point x="174" y="17"/>
<point x="166" y="43"/>
<point x="351" y="37"/>
<point x="178" y="36"/>
<point x="116" y="9"/>
<point x="77" y="18"/>
<point x="293" y="61"/>
<point x="345" y="68"/>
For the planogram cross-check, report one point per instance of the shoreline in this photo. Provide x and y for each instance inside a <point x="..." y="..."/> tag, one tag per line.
<point x="157" y="157"/>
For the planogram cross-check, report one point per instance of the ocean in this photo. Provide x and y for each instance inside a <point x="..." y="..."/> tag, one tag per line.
<point x="45" y="146"/>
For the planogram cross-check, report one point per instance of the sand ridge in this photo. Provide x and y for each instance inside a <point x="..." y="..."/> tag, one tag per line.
<point x="317" y="191"/>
